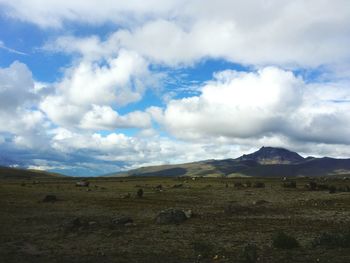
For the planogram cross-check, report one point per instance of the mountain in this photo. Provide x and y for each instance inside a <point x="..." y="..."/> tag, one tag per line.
<point x="271" y="155"/>
<point x="267" y="161"/>
<point x="17" y="173"/>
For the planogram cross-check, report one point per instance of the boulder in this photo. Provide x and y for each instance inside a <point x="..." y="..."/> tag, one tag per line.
<point x="260" y="202"/>
<point x="72" y="224"/>
<point x="122" y="220"/>
<point x="50" y="198"/>
<point x="171" y="216"/>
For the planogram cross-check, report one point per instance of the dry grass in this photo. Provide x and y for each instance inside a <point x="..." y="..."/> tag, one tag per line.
<point x="34" y="231"/>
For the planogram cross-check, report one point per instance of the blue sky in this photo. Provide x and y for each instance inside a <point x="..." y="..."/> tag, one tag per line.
<point x="88" y="87"/>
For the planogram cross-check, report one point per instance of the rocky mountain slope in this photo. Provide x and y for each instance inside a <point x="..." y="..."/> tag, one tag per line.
<point x="267" y="161"/>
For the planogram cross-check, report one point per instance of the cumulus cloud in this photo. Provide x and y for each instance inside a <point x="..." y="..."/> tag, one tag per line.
<point x="288" y="33"/>
<point x="18" y="113"/>
<point x="104" y="117"/>
<point x="268" y="102"/>
<point x="88" y="90"/>
<point x="61" y="123"/>
<point x="16" y="87"/>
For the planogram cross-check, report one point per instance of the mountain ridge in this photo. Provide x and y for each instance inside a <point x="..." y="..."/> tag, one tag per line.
<point x="267" y="161"/>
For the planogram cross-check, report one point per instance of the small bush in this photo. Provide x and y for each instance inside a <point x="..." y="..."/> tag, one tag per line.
<point x="250" y="253"/>
<point x="291" y="184"/>
<point x="312" y="186"/>
<point x="247" y="184"/>
<point x="238" y="184"/>
<point x="203" y="249"/>
<point x="284" y="241"/>
<point x="332" y="189"/>
<point x="336" y="239"/>
<point x="139" y="193"/>
<point x="259" y="185"/>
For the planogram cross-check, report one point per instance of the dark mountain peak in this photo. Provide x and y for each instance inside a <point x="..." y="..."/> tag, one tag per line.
<point x="272" y="155"/>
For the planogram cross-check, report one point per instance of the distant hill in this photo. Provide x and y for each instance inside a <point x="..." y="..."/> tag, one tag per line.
<point x="271" y="155"/>
<point x="16" y="173"/>
<point x="267" y="161"/>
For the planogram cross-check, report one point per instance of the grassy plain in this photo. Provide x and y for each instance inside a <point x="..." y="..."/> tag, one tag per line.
<point x="225" y="220"/>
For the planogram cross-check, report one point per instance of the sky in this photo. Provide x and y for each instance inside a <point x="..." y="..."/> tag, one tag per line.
<point x="93" y="87"/>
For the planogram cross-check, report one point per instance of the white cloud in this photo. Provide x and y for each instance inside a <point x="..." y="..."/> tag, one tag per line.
<point x="18" y="113"/>
<point x="88" y="90"/>
<point x="105" y="118"/>
<point x="279" y="32"/>
<point x="53" y="13"/>
<point x="16" y="87"/>
<point x="268" y="102"/>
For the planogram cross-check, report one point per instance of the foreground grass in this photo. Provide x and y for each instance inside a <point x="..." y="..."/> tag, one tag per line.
<point x="226" y="220"/>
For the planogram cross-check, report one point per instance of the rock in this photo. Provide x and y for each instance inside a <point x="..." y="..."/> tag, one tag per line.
<point x="188" y="213"/>
<point x="72" y="225"/>
<point x="130" y="224"/>
<point x="260" y="202"/>
<point x="122" y="220"/>
<point x="92" y="223"/>
<point x="125" y="196"/>
<point x="50" y="198"/>
<point x="171" y="216"/>
<point x="82" y="184"/>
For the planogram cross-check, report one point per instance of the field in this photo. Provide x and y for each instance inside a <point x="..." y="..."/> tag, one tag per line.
<point x="229" y="222"/>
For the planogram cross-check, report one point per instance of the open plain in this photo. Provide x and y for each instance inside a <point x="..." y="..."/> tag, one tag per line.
<point x="230" y="220"/>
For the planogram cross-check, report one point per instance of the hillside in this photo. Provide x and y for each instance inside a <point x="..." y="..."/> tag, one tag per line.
<point x="16" y="173"/>
<point x="267" y="161"/>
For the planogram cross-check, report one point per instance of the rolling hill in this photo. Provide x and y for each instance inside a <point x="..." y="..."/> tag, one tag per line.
<point x="17" y="173"/>
<point x="267" y="161"/>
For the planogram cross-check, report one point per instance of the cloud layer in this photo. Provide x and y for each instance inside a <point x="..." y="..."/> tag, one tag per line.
<point x="290" y="88"/>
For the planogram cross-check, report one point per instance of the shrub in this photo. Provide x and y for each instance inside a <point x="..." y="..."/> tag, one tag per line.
<point x="332" y="189"/>
<point x="259" y="185"/>
<point x="291" y="184"/>
<point x="248" y="184"/>
<point x="312" y="186"/>
<point x="238" y="184"/>
<point x="284" y="241"/>
<point x="203" y="248"/>
<point x="250" y="253"/>
<point x="139" y="193"/>
<point x="336" y="239"/>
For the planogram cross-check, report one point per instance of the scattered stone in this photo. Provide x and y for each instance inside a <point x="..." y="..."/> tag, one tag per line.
<point x="259" y="185"/>
<point x="234" y="208"/>
<point x="30" y="249"/>
<point x="50" y="198"/>
<point x="125" y="196"/>
<point x="82" y="184"/>
<point x="188" y="213"/>
<point x="92" y="223"/>
<point x="130" y="224"/>
<point x="260" y="202"/>
<point x="171" y="216"/>
<point x="122" y="220"/>
<point x="72" y="225"/>
<point x="289" y="184"/>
